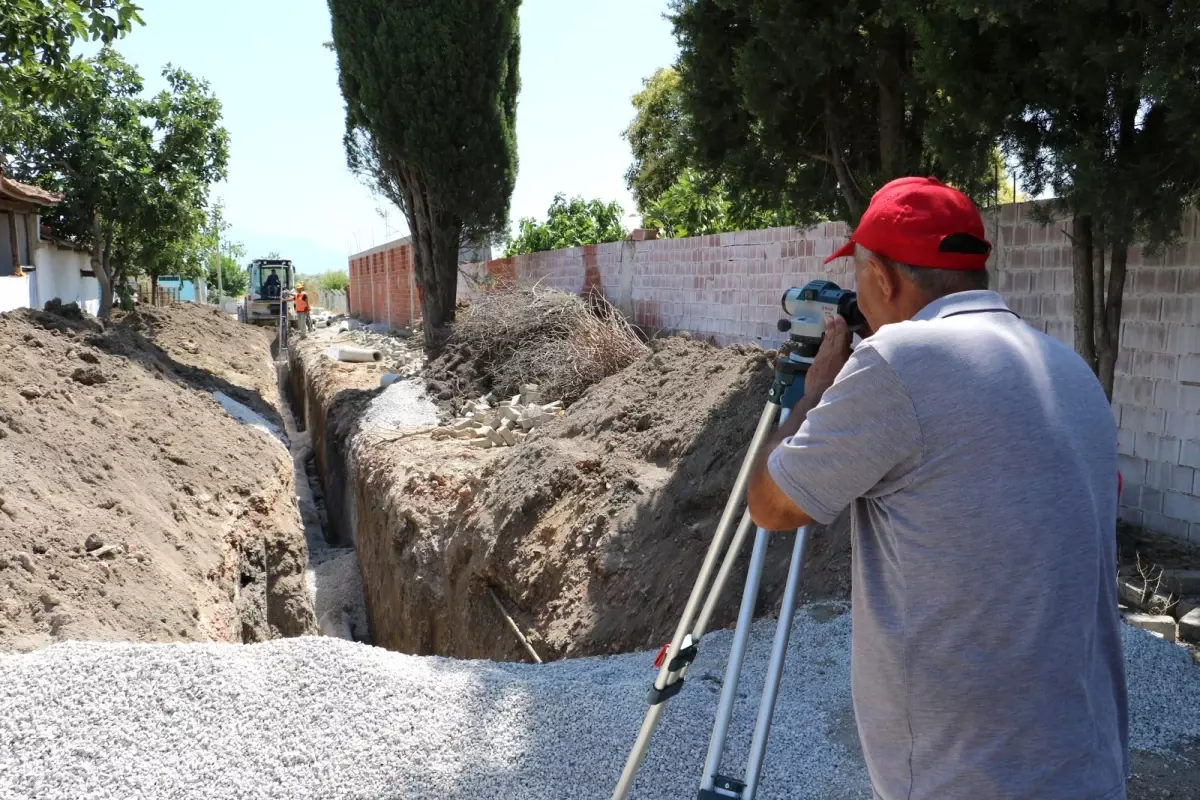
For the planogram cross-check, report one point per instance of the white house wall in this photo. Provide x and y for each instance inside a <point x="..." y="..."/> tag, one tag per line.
<point x="59" y="276"/>
<point x="14" y="293"/>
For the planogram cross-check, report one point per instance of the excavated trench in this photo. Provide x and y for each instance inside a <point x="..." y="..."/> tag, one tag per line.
<point x="585" y="539"/>
<point x="420" y="595"/>
<point x="333" y="575"/>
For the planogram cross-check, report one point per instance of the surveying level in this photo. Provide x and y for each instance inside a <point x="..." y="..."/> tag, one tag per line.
<point x="808" y="309"/>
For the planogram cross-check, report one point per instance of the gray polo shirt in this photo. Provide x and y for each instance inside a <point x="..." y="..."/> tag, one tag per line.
<point x="980" y="457"/>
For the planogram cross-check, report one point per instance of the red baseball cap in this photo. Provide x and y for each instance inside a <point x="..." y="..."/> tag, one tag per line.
<point x="922" y="222"/>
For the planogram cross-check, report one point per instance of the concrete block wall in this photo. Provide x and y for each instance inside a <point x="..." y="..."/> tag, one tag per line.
<point x="1156" y="391"/>
<point x="382" y="286"/>
<point x="727" y="288"/>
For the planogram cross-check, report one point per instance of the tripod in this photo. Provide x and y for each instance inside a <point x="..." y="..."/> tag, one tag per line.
<point x="676" y="657"/>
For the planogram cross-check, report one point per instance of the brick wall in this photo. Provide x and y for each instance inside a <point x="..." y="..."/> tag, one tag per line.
<point x="382" y="288"/>
<point x="727" y="288"/>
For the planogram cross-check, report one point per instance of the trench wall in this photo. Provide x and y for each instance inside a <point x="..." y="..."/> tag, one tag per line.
<point x="312" y="404"/>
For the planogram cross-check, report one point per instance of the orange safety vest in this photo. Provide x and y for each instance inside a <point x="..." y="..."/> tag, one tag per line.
<point x="302" y="303"/>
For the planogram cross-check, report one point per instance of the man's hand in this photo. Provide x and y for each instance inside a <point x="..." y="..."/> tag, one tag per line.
<point x="833" y="355"/>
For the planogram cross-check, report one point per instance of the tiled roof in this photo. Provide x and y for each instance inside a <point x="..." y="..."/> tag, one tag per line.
<point x="24" y="193"/>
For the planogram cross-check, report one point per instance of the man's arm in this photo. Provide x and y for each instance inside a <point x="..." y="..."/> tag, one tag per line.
<point x="770" y="508"/>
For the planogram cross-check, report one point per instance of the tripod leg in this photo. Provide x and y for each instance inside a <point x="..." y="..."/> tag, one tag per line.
<point x="718" y="586"/>
<point x="783" y="632"/>
<point x="737" y="654"/>
<point x="638" y="754"/>
<point x="765" y="423"/>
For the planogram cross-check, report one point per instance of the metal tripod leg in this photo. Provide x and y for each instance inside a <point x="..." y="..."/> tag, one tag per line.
<point x="783" y="632"/>
<point x="737" y="654"/>
<point x="678" y="654"/>
<point x="713" y="784"/>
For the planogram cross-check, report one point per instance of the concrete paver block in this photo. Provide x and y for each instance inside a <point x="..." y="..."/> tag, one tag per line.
<point x="1189" y="626"/>
<point x="1185" y="606"/>
<point x="1155" y="623"/>
<point x="1182" y="581"/>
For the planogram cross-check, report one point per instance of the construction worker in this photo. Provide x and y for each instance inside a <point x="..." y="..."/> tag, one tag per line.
<point x="978" y="456"/>
<point x="302" y="310"/>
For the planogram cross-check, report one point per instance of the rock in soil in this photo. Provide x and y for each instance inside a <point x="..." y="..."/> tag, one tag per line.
<point x="138" y="422"/>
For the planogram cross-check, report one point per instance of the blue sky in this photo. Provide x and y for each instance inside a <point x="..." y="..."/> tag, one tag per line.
<point x="288" y="187"/>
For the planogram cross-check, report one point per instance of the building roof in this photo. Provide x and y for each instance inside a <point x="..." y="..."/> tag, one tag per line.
<point x="24" y="193"/>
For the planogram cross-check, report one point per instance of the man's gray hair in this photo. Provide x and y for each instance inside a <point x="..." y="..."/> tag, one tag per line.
<point x="941" y="282"/>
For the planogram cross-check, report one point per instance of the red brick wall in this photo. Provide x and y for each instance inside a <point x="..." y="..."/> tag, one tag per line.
<point x="727" y="287"/>
<point x="382" y="288"/>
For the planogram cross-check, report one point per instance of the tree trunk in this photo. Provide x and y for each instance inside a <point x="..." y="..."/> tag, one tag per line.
<point x="435" y="238"/>
<point x="1084" y="289"/>
<point x="1108" y="333"/>
<point x="100" y="266"/>
<point x="855" y="202"/>
<point x="889" y="80"/>
<point x="154" y="289"/>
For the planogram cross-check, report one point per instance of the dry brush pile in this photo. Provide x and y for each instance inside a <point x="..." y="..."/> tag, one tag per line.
<point x="520" y="335"/>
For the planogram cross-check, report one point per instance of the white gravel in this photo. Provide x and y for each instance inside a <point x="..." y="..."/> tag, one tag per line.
<point x="246" y="415"/>
<point x="1164" y="692"/>
<point x="402" y="406"/>
<point x="335" y="583"/>
<point x="325" y="718"/>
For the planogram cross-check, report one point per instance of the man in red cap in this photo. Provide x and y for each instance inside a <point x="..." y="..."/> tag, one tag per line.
<point x="978" y="456"/>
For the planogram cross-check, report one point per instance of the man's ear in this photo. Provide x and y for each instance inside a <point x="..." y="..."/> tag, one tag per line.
<point x="887" y="277"/>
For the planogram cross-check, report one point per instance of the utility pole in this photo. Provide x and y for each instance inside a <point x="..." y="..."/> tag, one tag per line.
<point x="220" y="277"/>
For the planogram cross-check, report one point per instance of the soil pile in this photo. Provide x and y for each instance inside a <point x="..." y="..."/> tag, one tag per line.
<point x="132" y="507"/>
<point x="592" y="531"/>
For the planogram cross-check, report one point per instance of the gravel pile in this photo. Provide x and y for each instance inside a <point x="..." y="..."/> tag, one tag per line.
<point x="401" y="406"/>
<point x="1164" y="692"/>
<point x="322" y="717"/>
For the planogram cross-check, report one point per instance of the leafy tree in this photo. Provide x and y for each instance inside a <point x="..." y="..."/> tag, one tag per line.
<point x="190" y="154"/>
<point x="94" y="149"/>
<point x="235" y="281"/>
<point x="1104" y="114"/>
<point x="572" y="223"/>
<point x="693" y="207"/>
<point x="273" y="254"/>
<point x="334" y="281"/>
<point x="36" y="38"/>
<point x="813" y="106"/>
<point x="134" y="172"/>
<point x="431" y="100"/>
<point x="657" y="137"/>
<point x="225" y="251"/>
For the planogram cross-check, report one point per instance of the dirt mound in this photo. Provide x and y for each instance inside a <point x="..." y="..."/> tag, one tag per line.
<point x="592" y="531"/>
<point x="133" y="507"/>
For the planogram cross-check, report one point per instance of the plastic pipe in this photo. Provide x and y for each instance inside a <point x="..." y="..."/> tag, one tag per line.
<point x="354" y="354"/>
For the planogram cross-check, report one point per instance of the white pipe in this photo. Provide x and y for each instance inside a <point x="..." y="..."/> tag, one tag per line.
<point x="354" y="354"/>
